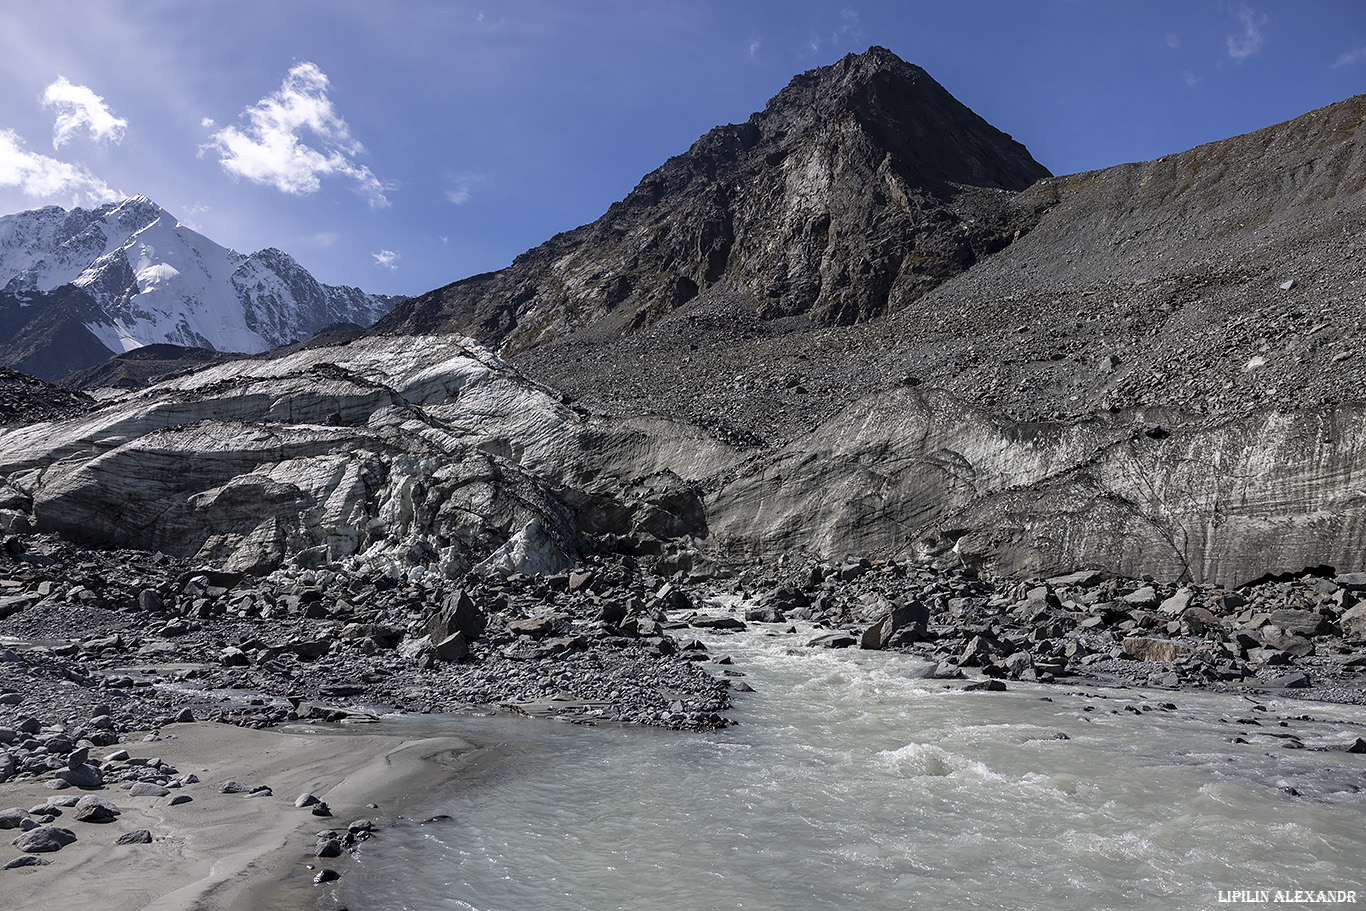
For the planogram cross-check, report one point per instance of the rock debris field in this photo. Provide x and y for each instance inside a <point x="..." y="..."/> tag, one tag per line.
<point x="104" y="647"/>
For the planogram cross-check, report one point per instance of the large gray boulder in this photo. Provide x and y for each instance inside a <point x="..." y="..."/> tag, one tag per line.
<point x="44" y="839"/>
<point x="901" y="624"/>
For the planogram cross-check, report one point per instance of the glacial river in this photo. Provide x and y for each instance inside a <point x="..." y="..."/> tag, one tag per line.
<point x="849" y="785"/>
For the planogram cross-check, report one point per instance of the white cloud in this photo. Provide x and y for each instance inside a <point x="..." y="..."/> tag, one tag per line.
<point x="47" y="178"/>
<point x="1240" y="47"/>
<point x="462" y="186"/>
<point x="1191" y="79"/>
<point x="78" y="107"/>
<point x="270" y="149"/>
<point x="386" y="259"/>
<point x="849" y="26"/>
<point x="754" y="47"/>
<point x="1348" y="58"/>
<point x="1173" y="40"/>
<point x="190" y="216"/>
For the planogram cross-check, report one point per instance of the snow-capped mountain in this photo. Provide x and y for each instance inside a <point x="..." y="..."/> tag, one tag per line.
<point x="150" y="279"/>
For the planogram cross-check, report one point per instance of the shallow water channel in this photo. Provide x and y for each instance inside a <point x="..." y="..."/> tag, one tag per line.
<point x="847" y="784"/>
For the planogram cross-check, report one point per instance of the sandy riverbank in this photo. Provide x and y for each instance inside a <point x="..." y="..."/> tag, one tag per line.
<point x="228" y="851"/>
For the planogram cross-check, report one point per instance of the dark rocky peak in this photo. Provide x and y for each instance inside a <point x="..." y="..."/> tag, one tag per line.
<point x="895" y="107"/>
<point x="873" y="182"/>
<point x="932" y="135"/>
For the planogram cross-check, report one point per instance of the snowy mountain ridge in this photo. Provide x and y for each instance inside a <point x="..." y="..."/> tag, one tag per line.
<point x="154" y="280"/>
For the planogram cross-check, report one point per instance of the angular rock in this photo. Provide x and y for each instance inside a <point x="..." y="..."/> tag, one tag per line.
<point x="328" y="847"/>
<point x="1144" y="597"/>
<point x="135" y="837"/>
<point x="1353" y="621"/>
<point x="832" y="640"/>
<point x="1295" y="680"/>
<point x="943" y="670"/>
<point x="85" y="777"/>
<point x="454" y="647"/>
<point x="1177" y="603"/>
<point x="901" y="625"/>
<point x="95" y="809"/>
<point x="1144" y="649"/>
<point x="534" y="627"/>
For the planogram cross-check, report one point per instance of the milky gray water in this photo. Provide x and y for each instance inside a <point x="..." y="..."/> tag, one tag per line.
<point x="848" y="785"/>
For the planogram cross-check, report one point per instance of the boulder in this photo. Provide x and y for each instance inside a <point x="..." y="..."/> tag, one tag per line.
<point x="135" y="837"/>
<point x="454" y="647"/>
<point x="942" y="670"/>
<point x="1145" y="597"/>
<point x="1275" y="637"/>
<point x="95" y="809"/>
<point x="44" y="840"/>
<point x="1294" y="680"/>
<point x="328" y="847"/>
<point x="532" y="626"/>
<point x="902" y="624"/>
<point x="457" y="614"/>
<point x="85" y="777"/>
<point x="1142" y="648"/>
<point x="1177" y="603"/>
<point x="833" y="640"/>
<point x="1353" y="621"/>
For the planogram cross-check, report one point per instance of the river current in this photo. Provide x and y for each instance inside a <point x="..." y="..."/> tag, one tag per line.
<point x="847" y="784"/>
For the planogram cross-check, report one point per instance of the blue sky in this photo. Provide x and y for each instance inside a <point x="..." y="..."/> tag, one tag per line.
<point x="399" y="146"/>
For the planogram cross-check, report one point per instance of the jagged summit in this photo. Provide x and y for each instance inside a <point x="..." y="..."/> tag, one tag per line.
<point x="907" y="113"/>
<point x="861" y="185"/>
<point x="79" y="285"/>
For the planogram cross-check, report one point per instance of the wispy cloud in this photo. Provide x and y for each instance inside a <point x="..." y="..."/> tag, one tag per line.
<point x="754" y="46"/>
<point x="461" y="187"/>
<point x="850" y="30"/>
<point x="1191" y="79"/>
<point x="270" y="149"/>
<point x="1173" y="40"/>
<point x="386" y="259"/>
<point x="78" y="107"/>
<point x="48" y="178"/>
<point x="1350" y="58"/>
<point x="1250" y="41"/>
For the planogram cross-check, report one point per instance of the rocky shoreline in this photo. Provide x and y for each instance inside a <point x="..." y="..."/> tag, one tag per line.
<point x="102" y="651"/>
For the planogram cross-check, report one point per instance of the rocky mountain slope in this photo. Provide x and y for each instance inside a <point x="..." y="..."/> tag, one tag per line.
<point x="859" y="187"/>
<point x="1150" y="369"/>
<point x="78" y="286"/>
